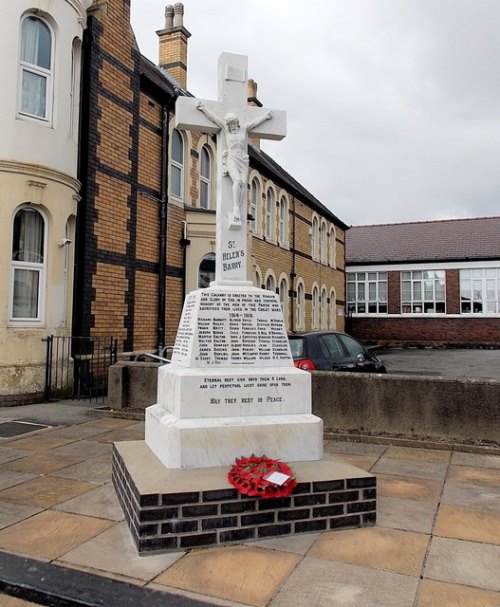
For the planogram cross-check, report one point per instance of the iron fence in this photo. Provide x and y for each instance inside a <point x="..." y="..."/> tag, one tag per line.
<point x="77" y="367"/>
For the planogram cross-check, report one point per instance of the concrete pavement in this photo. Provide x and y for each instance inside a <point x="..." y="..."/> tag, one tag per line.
<point x="436" y="542"/>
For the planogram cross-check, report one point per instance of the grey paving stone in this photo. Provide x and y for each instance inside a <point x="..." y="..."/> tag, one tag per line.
<point x="471" y="496"/>
<point x="321" y="583"/>
<point x="101" y="553"/>
<point x="9" y="455"/>
<point x="93" y="470"/>
<point x="299" y="544"/>
<point x="334" y="446"/>
<point x="462" y="562"/>
<point x="409" y="515"/>
<point x="85" y="448"/>
<point x="416" y="469"/>
<point x="101" y="502"/>
<point x="11" y="513"/>
<point x="475" y="459"/>
<point x="9" y="478"/>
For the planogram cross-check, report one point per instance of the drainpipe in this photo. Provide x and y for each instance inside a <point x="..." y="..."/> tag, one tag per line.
<point x="163" y="212"/>
<point x="293" y="274"/>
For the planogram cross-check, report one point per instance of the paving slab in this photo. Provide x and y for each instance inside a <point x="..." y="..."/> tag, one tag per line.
<point x="50" y="534"/>
<point x="365" y="462"/>
<point x="424" y="455"/>
<point x="410" y="488"/>
<point x="319" y="583"/>
<point x="93" y="471"/>
<point x="475" y="459"/>
<point x="9" y="478"/>
<point x="406" y="514"/>
<point x="463" y="562"/>
<point x="412" y="468"/>
<point x="44" y="491"/>
<point x="299" y="544"/>
<point x="240" y="573"/>
<point x="41" y="463"/>
<point x="354" y="448"/>
<point x="11" y="601"/>
<point x="388" y="549"/>
<point x="468" y="524"/>
<point x="488" y="477"/>
<point x="41" y="441"/>
<point x="11" y="513"/>
<point x="440" y="594"/>
<point x="85" y="448"/>
<point x="100" y="553"/>
<point x="100" y="503"/>
<point x="471" y="496"/>
<point x="9" y="455"/>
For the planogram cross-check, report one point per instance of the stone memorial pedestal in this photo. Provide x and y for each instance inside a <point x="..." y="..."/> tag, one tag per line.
<point x="232" y="389"/>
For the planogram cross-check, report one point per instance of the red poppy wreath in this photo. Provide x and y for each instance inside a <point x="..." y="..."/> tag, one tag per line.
<point x="249" y="475"/>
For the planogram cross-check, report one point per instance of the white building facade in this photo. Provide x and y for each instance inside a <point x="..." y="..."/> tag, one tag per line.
<point x="39" y="191"/>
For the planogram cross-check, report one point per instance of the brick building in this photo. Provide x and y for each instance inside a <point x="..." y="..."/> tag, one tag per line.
<point x="425" y="283"/>
<point x="148" y="200"/>
<point x="95" y="178"/>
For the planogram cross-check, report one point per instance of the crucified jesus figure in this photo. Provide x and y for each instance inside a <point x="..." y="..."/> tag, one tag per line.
<point x="235" y="158"/>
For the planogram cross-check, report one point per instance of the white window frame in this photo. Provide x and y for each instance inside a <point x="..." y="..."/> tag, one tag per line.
<point x="270" y="212"/>
<point x="332" y="311"/>
<point x="283" y="222"/>
<point x="419" y="301"/>
<point x="315" y="308"/>
<point x="175" y="165"/>
<point x="283" y="295"/>
<point x="206" y="180"/>
<point x="332" y="248"/>
<point x="367" y="292"/>
<point x="322" y="243"/>
<point x="271" y="283"/>
<point x="40" y="268"/>
<point x="323" y="306"/>
<point x="46" y="73"/>
<point x="479" y="284"/>
<point x="300" y="306"/>
<point x="315" y="238"/>
<point x="255" y="198"/>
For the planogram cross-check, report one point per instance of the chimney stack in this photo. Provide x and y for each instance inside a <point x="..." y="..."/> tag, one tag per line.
<point x="173" y="43"/>
<point x="252" y="100"/>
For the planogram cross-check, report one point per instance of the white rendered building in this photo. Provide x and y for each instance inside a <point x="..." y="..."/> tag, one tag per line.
<point x="39" y="191"/>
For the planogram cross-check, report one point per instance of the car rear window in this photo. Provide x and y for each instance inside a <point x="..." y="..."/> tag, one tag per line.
<point x="297" y="346"/>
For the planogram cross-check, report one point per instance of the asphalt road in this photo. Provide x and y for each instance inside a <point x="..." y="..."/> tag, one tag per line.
<point x="467" y="363"/>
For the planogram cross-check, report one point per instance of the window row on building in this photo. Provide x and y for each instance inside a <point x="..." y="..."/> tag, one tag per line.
<point x="425" y="292"/>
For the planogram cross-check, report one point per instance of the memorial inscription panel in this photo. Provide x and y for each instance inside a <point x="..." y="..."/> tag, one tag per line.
<point x="232" y="329"/>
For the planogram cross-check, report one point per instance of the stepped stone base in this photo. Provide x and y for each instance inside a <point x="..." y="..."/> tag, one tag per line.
<point x="171" y="510"/>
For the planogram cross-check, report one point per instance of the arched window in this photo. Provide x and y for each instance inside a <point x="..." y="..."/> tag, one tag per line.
<point x="331" y="248"/>
<point x="177" y="165"/>
<point x="257" y="280"/>
<point x="270" y="209"/>
<point x="315" y="238"/>
<point x="333" y="311"/>
<point x="206" y="271"/>
<point x="283" y="225"/>
<point x="271" y="283"/>
<point x="315" y="308"/>
<point x="36" y="68"/>
<point x="254" y="205"/>
<point x="283" y="294"/>
<point x="324" y="309"/>
<point x="28" y="265"/>
<point x="205" y="175"/>
<point x="323" y="243"/>
<point x="300" y="306"/>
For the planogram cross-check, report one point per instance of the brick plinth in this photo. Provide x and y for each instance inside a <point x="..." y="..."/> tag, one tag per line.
<point x="169" y="510"/>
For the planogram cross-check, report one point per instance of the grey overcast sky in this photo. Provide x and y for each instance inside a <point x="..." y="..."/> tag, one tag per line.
<point x="393" y="106"/>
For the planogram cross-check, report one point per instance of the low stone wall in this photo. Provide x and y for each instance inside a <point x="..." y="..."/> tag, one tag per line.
<point x="408" y="405"/>
<point x="395" y="404"/>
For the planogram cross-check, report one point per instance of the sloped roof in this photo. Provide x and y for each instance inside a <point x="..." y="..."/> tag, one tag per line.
<point x="264" y="162"/>
<point x="447" y="240"/>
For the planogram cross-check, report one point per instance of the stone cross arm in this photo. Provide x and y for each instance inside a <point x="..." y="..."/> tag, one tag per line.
<point x="189" y="117"/>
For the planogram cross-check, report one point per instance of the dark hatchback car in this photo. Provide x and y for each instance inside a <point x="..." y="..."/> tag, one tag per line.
<point x="332" y="351"/>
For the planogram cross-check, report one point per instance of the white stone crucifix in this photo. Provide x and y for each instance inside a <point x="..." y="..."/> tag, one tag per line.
<point x="232" y="119"/>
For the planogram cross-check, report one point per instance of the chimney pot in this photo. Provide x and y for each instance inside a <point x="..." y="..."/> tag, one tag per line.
<point x="169" y="17"/>
<point x="178" y="14"/>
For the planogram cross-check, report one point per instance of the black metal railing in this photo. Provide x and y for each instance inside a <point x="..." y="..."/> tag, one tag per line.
<point x="77" y="367"/>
